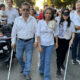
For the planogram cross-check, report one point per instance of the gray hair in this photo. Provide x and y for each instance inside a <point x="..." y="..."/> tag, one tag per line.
<point x="25" y="3"/>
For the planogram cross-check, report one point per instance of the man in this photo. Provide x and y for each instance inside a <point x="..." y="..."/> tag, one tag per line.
<point x="24" y="27"/>
<point x="11" y="12"/>
<point x="76" y="43"/>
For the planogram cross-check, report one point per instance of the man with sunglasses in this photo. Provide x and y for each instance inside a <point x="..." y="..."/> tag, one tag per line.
<point x="25" y="28"/>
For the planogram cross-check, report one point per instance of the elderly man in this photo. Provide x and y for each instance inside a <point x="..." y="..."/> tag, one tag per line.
<point x="24" y="27"/>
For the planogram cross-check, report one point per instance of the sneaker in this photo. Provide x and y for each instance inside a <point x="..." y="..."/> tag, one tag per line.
<point x="28" y="77"/>
<point x="78" y="61"/>
<point x="21" y="70"/>
<point x="58" y="73"/>
<point x="41" y="74"/>
<point x="74" y="62"/>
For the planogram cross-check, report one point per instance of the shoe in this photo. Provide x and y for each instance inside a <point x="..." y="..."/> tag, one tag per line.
<point x="78" y="61"/>
<point x="41" y="74"/>
<point x="62" y="68"/>
<point x="21" y="71"/>
<point x="58" y="73"/>
<point x="28" y="77"/>
<point x="74" y="62"/>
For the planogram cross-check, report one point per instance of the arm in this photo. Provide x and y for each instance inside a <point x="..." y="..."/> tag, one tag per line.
<point x="56" y="42"/>
<point x="13" y="35"/>
<point x="71" y="41"/>
<point x="77" y="27"/>
<point x="35" y="31"/>
<point x="38" y="38"/>
<point x="56" y="32"/>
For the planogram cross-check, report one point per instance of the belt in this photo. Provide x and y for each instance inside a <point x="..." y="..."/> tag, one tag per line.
<point x="25" y="40"/>
<point x="77" y="33"/>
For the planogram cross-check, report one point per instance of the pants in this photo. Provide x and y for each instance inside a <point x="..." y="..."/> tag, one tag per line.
<point x="45" y="58"/>
<point x="75" y="46"/>
<point x="28" y="48"/>
<point x="61" y="52"/>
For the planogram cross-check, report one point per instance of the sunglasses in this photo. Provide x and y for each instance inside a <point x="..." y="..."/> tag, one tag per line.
<point x="25" y="9"/>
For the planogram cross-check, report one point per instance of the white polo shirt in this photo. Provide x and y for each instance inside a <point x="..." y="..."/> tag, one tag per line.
<point x="76" y="21"/>
<point x="66" y="32"/>
<point x="47" y="33"/>
<point x="24" y="29"/>
<point x="12" y="14"/>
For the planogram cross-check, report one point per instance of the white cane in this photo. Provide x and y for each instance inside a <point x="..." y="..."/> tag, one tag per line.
<point x="67" y="63"/>
<point x="10" y="64"/>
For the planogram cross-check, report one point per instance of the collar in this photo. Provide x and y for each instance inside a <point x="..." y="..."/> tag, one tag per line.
<point x="29" y="18"/>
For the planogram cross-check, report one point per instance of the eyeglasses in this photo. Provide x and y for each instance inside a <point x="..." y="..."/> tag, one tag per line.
<point x="25" y="9"/>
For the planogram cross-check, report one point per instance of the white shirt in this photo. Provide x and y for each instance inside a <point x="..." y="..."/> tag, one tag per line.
<point x="12" y="14"/>
<point x="77" y="21"/>
<point x="58" y="19"/>
<point x="2" y="13"/>
<point x="24" y="29"/>
<point x="72" y="14"/>
<point x="66" y="32"/>
<point x="46" y="32"/>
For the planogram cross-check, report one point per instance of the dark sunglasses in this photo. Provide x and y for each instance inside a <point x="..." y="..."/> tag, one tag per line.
<point x="25" y="9"/>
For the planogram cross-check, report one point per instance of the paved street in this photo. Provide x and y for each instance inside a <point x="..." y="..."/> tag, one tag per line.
<point x="73" y="72"/>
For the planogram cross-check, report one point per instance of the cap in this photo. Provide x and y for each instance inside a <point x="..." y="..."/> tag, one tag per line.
<point x="66" y="12"/>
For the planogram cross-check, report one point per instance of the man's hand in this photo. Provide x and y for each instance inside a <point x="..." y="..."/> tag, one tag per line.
<point x="13" y="45"/>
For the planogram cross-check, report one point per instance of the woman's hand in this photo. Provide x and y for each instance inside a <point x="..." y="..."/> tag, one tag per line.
<point x="71" y="42"/>
<point x="35" y="44"/>
<point x="40" y="48"/>
<point x="56" y="45"/>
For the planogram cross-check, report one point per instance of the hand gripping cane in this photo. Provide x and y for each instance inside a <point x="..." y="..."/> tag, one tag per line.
<point x="66" y="63"/>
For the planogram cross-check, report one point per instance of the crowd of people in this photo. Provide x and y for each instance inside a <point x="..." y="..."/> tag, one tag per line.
<point x="49" y="29"/>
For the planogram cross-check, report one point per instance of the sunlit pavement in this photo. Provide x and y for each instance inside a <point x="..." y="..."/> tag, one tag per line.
<point x="73" y="72"/>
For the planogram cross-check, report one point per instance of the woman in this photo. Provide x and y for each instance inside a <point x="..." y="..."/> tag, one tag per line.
<point x="46" y="28"/>
<point x="65" y="39"/>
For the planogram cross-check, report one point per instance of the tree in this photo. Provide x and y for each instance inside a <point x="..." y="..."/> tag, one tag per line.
<point x="19" y="2"/>
<point x="64" y="3"/>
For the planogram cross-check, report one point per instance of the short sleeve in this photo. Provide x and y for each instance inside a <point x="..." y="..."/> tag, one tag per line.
<point x="73" y="27"/>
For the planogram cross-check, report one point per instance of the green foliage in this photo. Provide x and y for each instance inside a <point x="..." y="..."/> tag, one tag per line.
<point x="64" y="3"/>
<point x="19" y="2"/>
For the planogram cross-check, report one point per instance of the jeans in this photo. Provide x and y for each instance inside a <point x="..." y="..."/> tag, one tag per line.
<point x="28" y="48"/>
<point x="75" y="46"/>
<point x="45" y="58"/>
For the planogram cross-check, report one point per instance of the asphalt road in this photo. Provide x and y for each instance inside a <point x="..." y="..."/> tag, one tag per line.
<point x="73" y="72"/>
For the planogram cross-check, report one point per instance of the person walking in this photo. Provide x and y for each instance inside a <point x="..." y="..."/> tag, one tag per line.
<point x="24" y="27"/>
<point x="65" y="39"/>
<point x="47" y="28"/>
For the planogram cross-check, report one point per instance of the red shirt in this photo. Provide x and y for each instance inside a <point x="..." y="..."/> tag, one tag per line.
<point x="40" y="17"/>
